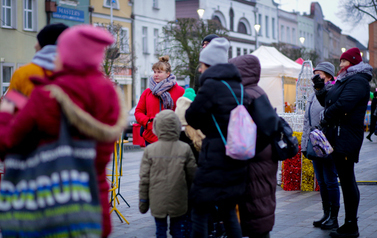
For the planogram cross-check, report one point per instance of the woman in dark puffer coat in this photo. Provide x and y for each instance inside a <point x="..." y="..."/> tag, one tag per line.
<point x="257" y="209"/>
<point x="219" y="180"/>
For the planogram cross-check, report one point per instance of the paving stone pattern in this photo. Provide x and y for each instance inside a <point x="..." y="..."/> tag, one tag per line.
<point x="295" y="210"/>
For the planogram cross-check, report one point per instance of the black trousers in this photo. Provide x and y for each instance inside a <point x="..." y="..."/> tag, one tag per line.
<point x="351" y="193"/>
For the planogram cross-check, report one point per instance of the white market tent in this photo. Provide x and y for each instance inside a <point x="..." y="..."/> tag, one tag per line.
<point x="278" y="76"/>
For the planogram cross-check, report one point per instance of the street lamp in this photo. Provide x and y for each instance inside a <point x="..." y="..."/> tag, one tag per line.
<point x="361" y="53"/>
<point x="343" y="49"/>
<point x="200" y="12"/>
<point x="302" y="40"/>
<point x="257" y="28"/>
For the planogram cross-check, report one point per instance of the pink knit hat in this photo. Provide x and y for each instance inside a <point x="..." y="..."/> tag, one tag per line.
<point x="82" y="47"/>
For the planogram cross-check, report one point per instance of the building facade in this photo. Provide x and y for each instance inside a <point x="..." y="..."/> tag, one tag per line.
<point x="318" y="26"/>
<point x="149" y="18"/>
<point x="122" y="22"/>
<point x="20" y="20"/>
<point x="267" y="17"/>
<point x="288" y="28"/>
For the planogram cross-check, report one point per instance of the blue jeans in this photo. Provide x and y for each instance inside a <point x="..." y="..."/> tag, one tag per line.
<point x="200" y="217"/>
<point x="325" y="171"/>
<point x="176" y="224"/>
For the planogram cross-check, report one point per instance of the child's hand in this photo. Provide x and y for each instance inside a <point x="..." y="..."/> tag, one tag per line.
<point x="6" y="106"/>
<point x="143" y="206"/>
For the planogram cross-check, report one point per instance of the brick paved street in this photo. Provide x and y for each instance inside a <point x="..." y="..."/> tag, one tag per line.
<point x="295" y="210"/>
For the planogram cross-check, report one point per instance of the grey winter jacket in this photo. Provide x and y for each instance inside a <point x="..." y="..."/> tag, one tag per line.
<point x="167" y="169"/>
<point x="315" y="115"/>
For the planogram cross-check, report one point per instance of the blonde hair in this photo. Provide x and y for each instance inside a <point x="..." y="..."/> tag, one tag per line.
<point x="162" y="64"/>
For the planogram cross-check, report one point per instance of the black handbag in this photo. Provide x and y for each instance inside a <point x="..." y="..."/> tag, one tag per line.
<point x="53" y="191"/>
<point x="274" y="128"/>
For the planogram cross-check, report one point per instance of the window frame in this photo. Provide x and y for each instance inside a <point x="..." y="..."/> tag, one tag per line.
<point x="2" y="83"/>
<point x="144" y="39"/>
<point x="266" y="26"/>
<point x="260" y="23"/>
<point x="124" y="40"/>
<point x="155" y="4"/>
<point x="33" y="12"/>
<point x="238" y="51"/>
<point x="13" y="15"/>
<point x="156" y="40"/>
<point x="273" y="28"/>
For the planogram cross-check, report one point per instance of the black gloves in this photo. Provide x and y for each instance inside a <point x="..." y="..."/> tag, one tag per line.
<point x="319" y="83"/>
<point x="323" y="123"/>
<point x="143" y="205"/>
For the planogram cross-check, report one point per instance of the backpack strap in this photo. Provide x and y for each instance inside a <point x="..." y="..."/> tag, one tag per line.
<point x="234" y="95"/>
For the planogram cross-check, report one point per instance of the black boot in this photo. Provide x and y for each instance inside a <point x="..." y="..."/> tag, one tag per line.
<point x="326" y="215"/>
<point x="368" y="137"/>
<point x="332" y="222"/>
<point x="348" y="230"/>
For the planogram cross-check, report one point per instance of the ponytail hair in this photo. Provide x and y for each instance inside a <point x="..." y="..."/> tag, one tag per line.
<point x="162" y="64"/>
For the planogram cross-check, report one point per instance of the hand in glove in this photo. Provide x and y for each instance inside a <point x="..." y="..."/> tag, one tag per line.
<point x="143" y="205"/>
<point x="323" y="123"/>
<point x="319" y="83"/>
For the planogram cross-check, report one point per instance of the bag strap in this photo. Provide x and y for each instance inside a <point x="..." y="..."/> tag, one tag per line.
<point x="218" y="128"/>
<point x="234" y="95"/>
<point x="310" y="118"/>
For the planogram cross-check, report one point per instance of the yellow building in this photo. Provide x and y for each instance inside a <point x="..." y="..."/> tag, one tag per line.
<point x="121" y="15"/>
<point x="20" y="20"/>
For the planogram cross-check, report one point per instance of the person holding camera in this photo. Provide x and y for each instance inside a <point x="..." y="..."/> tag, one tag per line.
<point x="324" y="168"/>
<point x="343" y="124"/>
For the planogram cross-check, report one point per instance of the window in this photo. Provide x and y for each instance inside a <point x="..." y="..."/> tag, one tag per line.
<point x="155" y="40"/>
<point x="238" y="51"/>
<point x="124" y="41"/>
<point x="231" y="16"/>
<point x="260" y="23"/>
<point x="145" y="39"/>
<point x="251" y="51"/>
<point x="143" y="84"/>
<point x="245" y="51"/>
<point x="282" y="33"/>
<point x="293" y="36"/>
<point x="28" y="14"/>
<point x="266" y="24"/>
<point x="242" y="28"/>
<point x="216" y="18"/>
<point x="230" y="52"/>
<point x="6" y="74"/>
<point x="155" y="4"/>
<point x="273" y="28"/>
<point x="115" y="3"/>
<point x="288" y="35"/>
<point x="8" y="13"/>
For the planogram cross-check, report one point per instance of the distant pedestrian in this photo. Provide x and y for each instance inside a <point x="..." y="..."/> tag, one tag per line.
<point x="42" y="63"/>
<point x="343" y="124"/>
<point x="373" y="118"/>
<point x="219" y="180"/>
<point x="166" y="172"/>
<point x="162" y="93"/>
<point x="257" y="207"/>
<point x="324" y="169"/>
<point x="206" y="40"/>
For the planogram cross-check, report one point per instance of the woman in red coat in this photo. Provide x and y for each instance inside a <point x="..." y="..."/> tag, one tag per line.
<point x="162" y="93"/>
<point x="89" y="100"/>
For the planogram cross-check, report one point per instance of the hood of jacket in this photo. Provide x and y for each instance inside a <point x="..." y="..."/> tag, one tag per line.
<point x="45" y="57"/>
<point x="249" y="68"/>
<point x="166" y="126"/>
<point x="220" y="72"/>
<point x="359" y="68"/>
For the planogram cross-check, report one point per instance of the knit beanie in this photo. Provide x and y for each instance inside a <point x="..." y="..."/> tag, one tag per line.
<point x="352" y="55"/>
<point x="82" y="47"/>
<point x="50" y="33"/>
<point x="216" y="52"/>
<point x="190" y="94"/>
<point x="209" y="38"/>
<point x="326" y="67"/>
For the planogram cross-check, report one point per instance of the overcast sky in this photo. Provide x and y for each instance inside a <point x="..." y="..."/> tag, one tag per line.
<point x="330" y="9"/>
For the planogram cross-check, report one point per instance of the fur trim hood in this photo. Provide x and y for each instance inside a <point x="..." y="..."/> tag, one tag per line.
<point x="85" y="122"/>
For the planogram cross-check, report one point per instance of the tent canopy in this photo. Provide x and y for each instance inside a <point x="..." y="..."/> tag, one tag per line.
<point x="274" y="67"/>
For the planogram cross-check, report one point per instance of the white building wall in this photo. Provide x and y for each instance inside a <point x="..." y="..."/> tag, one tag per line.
<point x="267" y="8"/>
<point x="289" y="34"/>
<point x="146" y="15"/>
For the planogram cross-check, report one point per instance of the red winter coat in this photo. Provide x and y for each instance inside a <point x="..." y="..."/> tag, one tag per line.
<point x="40" y="120"/>
<point x="149" y="106"/>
